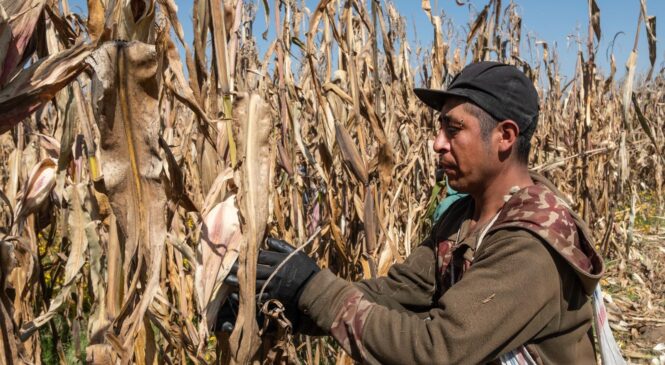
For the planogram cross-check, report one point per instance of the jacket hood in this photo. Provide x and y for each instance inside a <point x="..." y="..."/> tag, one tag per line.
<point x="542" y="210"/>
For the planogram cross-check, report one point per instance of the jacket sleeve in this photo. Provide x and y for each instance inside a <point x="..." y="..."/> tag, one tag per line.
<point x="407" y="286"/>
<point x="507" y="296"/>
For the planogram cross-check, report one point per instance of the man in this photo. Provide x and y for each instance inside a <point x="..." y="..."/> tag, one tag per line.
<point x="507" y="271"/>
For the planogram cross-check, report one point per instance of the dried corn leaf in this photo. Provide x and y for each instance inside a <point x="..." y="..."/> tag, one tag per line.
<point x="216" y="190"/>
<point x="95" y="19"/>
<point x="200" y="24"/>
<point x="350" y="154"/>
<point x="327" y="118"/>
<point x="5" y="37"/>
<point x="140" y="18"/>
<point x="20" y="18"/>
<point x="651" y="38"/>
<point x="254" y="125"/>
<point x="329" y="86"/>
<point x="49" y="144"/>
<point x="114" y="284"/>
<point x="7" y="260"/>
<point x="370" y="221"/>
<point x="628" y="83"/>
<point x="427" y="8"/>
<point x="385" y="160"/>
<point x="172" y="12"/>
<point x="650" y="25"/>
<point x="37" y="84"/>
<point x="124" y="93"/>
<point x="10" y="346"/>
<point x="180" y="87"/>
<point x="645" y="124"/>
<point x="80" y="227"/>
<point x="8" y="350"/>
<point x="594" y="15"/>
<point x="515" y="32"/>
<point x="98" y="321"/>
<point x="100" y="355"/>
<point x="220" y="46"/>
<point x="387" y="46"/>
<point x="439" y="54"/>
<point x="223" y="68"/>
<point x="477" y="25"/>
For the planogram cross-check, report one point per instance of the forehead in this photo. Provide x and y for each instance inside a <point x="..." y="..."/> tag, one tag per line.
<point x="454" y="106"/>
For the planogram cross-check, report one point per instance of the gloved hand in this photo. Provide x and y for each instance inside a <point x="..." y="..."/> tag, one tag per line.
<point x="288" y="282"/>
<point x="226" y="317"/>
<point x="228" y="314"/>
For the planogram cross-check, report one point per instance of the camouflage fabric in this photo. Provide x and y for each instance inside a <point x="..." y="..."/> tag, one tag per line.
<point x="538" y="210"/>
<point x="449" y="274"/>
<point x="348" y="325"/>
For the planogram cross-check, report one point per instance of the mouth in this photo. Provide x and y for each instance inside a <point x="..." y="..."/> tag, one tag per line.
<point x="445" y="169"/>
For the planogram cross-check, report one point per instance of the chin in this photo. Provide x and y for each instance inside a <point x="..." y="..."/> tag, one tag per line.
<point x="457" y="185"/>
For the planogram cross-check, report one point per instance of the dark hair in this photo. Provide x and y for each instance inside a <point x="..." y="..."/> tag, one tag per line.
<point x="488" y="123"/>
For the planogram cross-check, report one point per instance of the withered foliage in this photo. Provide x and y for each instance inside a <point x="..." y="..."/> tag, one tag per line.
<point x="130" y="184"/>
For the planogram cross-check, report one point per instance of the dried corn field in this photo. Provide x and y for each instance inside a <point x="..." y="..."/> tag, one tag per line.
<point x="131" y="178"/>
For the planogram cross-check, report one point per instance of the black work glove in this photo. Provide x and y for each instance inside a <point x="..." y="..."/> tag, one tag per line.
<point x="228" y="313"/>
<point x="226" y="317"/>
<point x="288" y="282"/>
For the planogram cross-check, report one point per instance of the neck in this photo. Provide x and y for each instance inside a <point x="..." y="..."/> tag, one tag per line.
<point x="489" y="200"/>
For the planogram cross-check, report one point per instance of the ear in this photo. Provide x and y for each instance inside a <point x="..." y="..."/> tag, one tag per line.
<point x="508" y="132"/>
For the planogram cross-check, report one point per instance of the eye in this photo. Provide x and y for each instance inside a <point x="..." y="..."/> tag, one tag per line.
<point x="441" y="120"/>
<point x="452" y="127"/>
<point x="449" y="125"/>
<point x="451" y="130"/>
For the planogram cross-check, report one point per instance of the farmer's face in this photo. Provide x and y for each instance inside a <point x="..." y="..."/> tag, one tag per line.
<point x="464" y="155"/>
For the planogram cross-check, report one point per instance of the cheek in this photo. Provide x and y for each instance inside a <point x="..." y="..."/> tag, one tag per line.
<point x="460" y="152"/>
<point x="469" y="156"/>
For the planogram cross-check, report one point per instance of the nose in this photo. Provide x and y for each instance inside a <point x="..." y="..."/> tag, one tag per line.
<point x="441" y="142"/>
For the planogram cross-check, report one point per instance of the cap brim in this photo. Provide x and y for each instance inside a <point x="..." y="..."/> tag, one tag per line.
<point x="436" y="98"/>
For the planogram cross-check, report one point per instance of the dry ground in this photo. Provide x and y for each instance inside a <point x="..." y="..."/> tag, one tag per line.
<point x="636" y="289"/>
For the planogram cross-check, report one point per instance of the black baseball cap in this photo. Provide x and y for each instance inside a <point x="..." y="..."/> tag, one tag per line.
<point x="501" y="90"/>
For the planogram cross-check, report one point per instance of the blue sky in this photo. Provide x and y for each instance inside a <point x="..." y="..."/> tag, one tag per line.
<point x="560" y="22"/>
<point x="557" y="22"/>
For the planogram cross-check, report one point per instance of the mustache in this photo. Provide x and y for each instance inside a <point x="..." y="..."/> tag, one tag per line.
<point x="441" y="163"/>
<point x="440" y="167"/>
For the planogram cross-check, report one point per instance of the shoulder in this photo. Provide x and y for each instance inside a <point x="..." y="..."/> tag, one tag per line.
<point x="535" y="227"/>
<point x="538" y="210"/>
<point x="522" y="260"/>
<point x="515" y="244"/>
